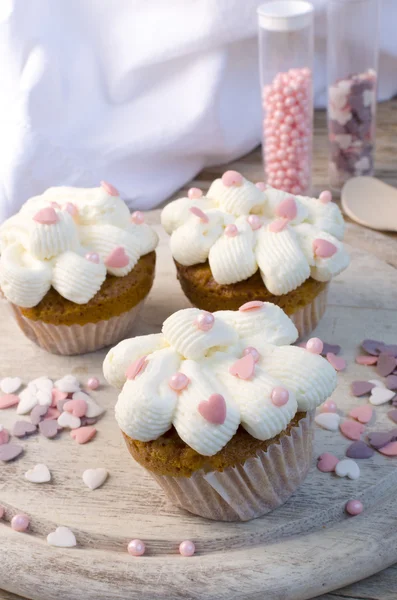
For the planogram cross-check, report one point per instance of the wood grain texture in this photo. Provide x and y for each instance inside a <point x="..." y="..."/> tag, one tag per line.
<point x="304" y="549"/>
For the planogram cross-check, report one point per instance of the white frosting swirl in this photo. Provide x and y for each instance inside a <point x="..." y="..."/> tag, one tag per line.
<point x="284" y="258"/>
<point x="52" y="239"/>
<point x="208" y="362"/>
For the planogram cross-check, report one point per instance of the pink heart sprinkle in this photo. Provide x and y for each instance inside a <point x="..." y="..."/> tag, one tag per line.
<point x="366" y="360"/>
<point x="136" y="367"/>
<point x="337" y="362"/>
<point x="56" y="396"/>
<point x="232" y="178"/>
<point x="278" y="225"/>
<point x="392" y="414"/>
<point x="46" y="216"/>
<point x="261" y="185"/>
<point x="51" y="414"/>
<point x="82" y="435"/>
<point x="352" y="430"/>
<point x="77" y="407"/>
<point x="389" y="450"/>
<point x="362" y="413"/>
<point x="117" y="259"/>
<point x="231" y="230"/>
<point x="4" y="437"/>
<point x="325" y="197"/>
<point x="194" y="193"/>
<point x="109" y="188"/>
<point x="244" y="367"/>
<point x="327" y="462"/>
<point x="253" y="305"/>
<point x="324" y="248"/>
<point x="8" y="400"/>
<point x="213" y="410"/>
<point x="287" y="209"/>
<point x="197" y="212"/>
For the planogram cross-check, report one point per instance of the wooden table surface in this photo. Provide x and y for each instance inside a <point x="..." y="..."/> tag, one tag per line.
<point x="382" y="586"/>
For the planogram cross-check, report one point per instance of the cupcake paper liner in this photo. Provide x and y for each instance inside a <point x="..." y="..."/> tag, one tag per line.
<point x="77" y="339"/>
<point x="307" y="318"/>
<point x="252" y="489"/>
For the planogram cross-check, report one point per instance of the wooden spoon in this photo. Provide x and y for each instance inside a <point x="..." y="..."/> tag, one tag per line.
<point x="371" y="203"/>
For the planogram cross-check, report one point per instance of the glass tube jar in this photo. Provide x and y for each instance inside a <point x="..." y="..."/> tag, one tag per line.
<point x="286" y="65"/>
<point x="352" y="57"/>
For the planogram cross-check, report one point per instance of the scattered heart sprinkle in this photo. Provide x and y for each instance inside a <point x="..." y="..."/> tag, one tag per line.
<point x="94" y="478"/>
<point x="347" y="468"/>
<point x="62" y="537"/>
<point x="329" y="421"/>
<point x="39" y="474"/>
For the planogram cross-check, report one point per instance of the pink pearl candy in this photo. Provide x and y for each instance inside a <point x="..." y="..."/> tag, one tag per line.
<point x="231" y="230"/>
<point x="178" y="382"/>
<point x="20" y="522"/>
<point x="253" y="351"/>
<point x="138" y="217"/>
<point x="136" y="548"/>
<point x="325" y="197"/>
<point x="315" y="345"/>
<point x="194" y="193"/>
<point x="354" y="507"/>
<point x="205" y="321"/>
<point x="92" y="257"/>
<point x="231" y="178"/>
<point x="187" y="548"/>
<point x="93" y="383"/>
<point x="329" y="406"/>
<point x="279" y="396"/>
<point x="254" y="222"/>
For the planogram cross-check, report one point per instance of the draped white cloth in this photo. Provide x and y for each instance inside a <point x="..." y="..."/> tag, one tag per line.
<point x="141" y="93"/>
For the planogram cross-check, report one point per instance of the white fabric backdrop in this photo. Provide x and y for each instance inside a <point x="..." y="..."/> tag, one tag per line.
<point x="141" y="93"/>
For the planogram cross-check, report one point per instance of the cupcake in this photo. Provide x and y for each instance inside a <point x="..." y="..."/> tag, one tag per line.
<point x="245" y="242"/>
<point x="75" y="267"/>
<point x="219" y="407"/>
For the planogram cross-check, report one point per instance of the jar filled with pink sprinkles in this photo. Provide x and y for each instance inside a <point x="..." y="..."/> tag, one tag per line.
<point x="286" y="64"/>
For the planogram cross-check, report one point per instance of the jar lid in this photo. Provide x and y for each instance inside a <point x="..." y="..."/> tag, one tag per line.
<point x="285" y="15"/>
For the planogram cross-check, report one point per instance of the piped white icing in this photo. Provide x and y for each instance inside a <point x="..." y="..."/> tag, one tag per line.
<point x="284" y="258"/>
<point x="36" y="255"/>
<point x="148" y="405"/>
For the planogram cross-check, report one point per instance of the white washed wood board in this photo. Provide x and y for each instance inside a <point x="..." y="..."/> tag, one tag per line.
<point x="305" y="548"/>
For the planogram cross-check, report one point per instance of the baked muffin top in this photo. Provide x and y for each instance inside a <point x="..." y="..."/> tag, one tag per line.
<point x="206" y="374"/>
<point x="70" y="238"/>
<point x="241" y="227"/>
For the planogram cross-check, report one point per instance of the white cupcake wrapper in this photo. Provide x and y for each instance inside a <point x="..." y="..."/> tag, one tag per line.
<point x="77" y="339"/>
<point x="247" y="491"/>
<point x="307" y="318"/>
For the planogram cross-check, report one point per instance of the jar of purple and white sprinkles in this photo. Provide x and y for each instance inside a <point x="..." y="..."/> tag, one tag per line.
<point x="352" y="57"/>
<point x="286" y="62"/>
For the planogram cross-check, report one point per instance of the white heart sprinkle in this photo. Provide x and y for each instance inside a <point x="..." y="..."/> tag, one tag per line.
<point x="68" y="384"/>
<point x="39" y="474"/>
<point x="377" y="383"/>
<point x="347" y="468"/>
<point x="41" y="383"/>
<point x="94" y="478"/>
<point x="27" y="401"/>
<point x="44" y="398"/>
<point x="62" y="537"/>
<point x="68" y="420"/>
<point x="10" y="385"/>
<point x="329" y="421"/>
<point x="93" y="409"/>
<point x="381" y="396"/>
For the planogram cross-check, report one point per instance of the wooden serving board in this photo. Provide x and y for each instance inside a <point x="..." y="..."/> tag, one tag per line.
<point x="305" y="548"/>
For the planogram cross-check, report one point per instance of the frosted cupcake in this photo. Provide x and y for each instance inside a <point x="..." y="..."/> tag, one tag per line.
<point x="219" y="407"/>
<point x="246" y="242"/>
<point x="76" y="267"/>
